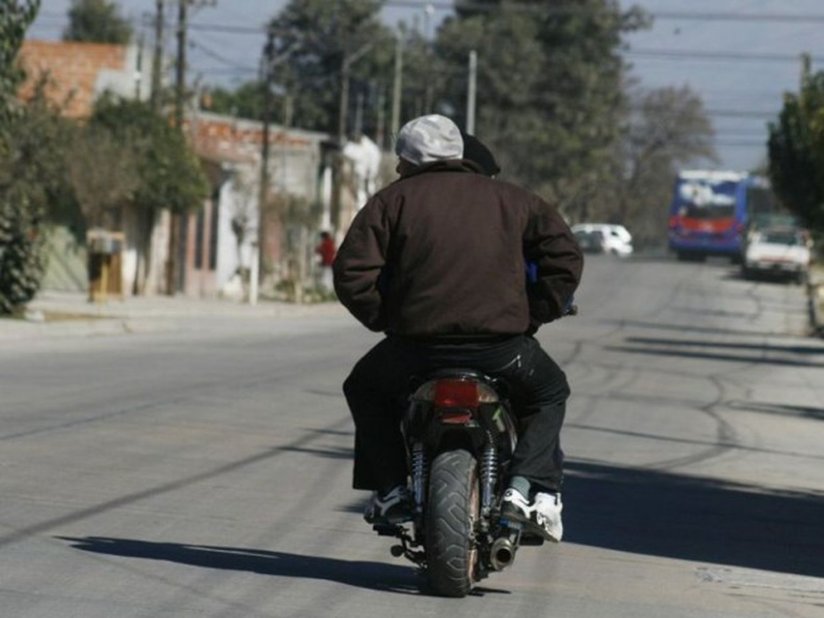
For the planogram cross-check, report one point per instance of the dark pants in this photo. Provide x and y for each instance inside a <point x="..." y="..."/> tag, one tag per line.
<point x="538" y="391"/>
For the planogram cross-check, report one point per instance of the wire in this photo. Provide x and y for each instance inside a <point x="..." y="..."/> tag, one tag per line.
<point x="719" y="55"/>
<point x="447" y="6"/>
<point x="206" y="51"/>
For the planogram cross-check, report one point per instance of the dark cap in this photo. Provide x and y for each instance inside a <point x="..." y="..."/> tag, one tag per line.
<point x="477" y="152"/>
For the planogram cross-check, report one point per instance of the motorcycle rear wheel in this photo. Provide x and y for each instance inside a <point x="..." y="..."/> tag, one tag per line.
<point x="452" y="511"/>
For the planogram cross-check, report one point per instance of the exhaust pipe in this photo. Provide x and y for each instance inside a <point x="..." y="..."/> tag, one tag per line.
<point x="502" y="553"/>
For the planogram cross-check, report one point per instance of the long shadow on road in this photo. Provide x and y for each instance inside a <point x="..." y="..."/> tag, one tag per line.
<point x="692" y="518"/>
<point x="371" y="575"/>
<point x="625" y="509"/>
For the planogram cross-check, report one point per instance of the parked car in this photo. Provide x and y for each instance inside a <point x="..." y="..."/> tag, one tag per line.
<point x="616" y="239"/>
<point x="590" y="242"/>
<point x="780" y="252"/>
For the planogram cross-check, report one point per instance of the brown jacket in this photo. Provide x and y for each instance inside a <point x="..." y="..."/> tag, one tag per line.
<point x="443" y="251"/>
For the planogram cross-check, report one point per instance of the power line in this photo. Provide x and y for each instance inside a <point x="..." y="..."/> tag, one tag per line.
<point x="734" y="113"/>
<point x="223" y="28"/>
<point x="447" y="6"/>
<point x="741" y="144"/>
<point x="673" y="54"/>
<point x="210" y="53"/>
<point x="729" y="113"/>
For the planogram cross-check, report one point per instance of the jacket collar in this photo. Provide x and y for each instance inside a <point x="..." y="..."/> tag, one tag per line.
<point x="450" y="165"/>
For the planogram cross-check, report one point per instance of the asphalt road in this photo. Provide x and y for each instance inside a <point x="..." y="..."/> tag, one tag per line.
<point x="206" y="473"/>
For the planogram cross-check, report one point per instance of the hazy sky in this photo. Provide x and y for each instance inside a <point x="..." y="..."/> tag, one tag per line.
<point x="742" y="93"/>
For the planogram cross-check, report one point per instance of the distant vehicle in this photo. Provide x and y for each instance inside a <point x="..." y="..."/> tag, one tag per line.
<point x="782" y="252"/>
<point x="590" y="242"/>
<point x="710" y="212"/>
<point x="612" y="239"/>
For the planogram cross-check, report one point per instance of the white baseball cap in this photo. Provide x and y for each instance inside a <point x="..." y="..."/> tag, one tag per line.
<point x="429" y="138"/>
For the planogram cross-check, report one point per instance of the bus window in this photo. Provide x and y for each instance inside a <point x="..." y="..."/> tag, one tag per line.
<point x="710" y="211"/>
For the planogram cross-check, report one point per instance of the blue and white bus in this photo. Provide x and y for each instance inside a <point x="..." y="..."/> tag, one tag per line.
<point x="710" y="212"/>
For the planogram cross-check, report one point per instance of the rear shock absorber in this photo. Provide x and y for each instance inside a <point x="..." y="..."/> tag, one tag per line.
<point x="419" y="471"/>
<point x="489" y="474"/>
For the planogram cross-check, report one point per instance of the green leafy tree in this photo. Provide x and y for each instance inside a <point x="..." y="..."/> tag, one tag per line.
<point x="169" y="174"/>
<point x="311" y="40"/>
<point x="21" y="204"/>
<point x="550" y="88"/>
<point x="244" y="102"/>
<point x="426" y="78"/>
<point x="96" y="21"/>
<point x="796" y="150"/>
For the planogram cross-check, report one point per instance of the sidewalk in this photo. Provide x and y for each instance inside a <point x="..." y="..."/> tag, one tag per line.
<point x="71" y="314"/>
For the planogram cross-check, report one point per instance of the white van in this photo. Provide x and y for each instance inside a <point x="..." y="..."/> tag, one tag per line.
<point x="616" y="239"/>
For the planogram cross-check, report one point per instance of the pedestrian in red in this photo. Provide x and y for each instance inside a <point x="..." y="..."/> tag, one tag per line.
<point x="326" y="250"/>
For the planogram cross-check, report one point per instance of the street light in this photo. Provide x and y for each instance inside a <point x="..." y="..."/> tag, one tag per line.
<point x="346" y="64"/>
<point x="269" y="62"/>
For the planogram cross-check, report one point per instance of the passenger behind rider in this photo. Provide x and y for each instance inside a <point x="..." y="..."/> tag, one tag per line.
<point x="437" y="262"/>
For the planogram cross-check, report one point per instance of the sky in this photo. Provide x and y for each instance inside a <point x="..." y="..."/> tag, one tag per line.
<point x="748" y="49"/>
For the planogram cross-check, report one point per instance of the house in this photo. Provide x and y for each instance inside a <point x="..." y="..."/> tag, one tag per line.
<point x="216" y="243"/>
<point x="73" y="75"/>
<point x="222" y="237"/>
<point x="78" y="73"/>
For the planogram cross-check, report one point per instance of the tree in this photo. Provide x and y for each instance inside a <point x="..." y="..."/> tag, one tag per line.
<point x="22" y="203"/>
<point x="104" y="175"/>
<point x="550" y="84"/>
<point x="796" y="150"/>
<point x="169" y="173"/>
<point x="312" y="38"/>
<point x="666" y="129"/>
<point x="244" y="102"/>
<point x="96" y="21"/>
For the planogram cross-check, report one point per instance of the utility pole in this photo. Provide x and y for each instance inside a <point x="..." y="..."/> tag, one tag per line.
<point x="343" y="102"/>
<point x="343" y="111"/>
<point x="471" y="92"/>
<point x="157" y="59"/>
<point x="141" y="42"/>
<point x="180" y="81"/>
<point x="358" y="115"/>
<point x="337" y="176"/>
<point x="173" y="269"/>
<point x="380" y="124"/>
<point x="288" y="109"/>
<point x="397" y="86"/>
<point x="263" y="194"/>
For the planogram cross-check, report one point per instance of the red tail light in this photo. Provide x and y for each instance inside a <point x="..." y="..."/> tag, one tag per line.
<point x="456" y="394"/>
<point x="673" y="222"/>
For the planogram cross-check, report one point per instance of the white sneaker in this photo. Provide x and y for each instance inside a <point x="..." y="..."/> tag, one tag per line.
<point x="541" y="517"/>
<point x="393" y="507"/>
<point x="546" y="512"/>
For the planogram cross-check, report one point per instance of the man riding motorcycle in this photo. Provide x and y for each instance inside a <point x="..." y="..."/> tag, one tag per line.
<point x="438" y="261"/>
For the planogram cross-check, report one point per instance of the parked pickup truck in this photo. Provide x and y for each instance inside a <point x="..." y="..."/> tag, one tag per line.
<point x="778" y="252"/>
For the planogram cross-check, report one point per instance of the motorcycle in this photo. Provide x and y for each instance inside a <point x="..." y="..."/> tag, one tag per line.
<point x="460" y="435"/>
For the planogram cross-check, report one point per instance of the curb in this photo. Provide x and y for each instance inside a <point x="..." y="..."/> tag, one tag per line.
<point x="815" y="300"/>
<point x="76" y="318"/>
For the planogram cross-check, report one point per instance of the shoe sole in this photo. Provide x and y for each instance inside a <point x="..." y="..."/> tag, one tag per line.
<point x="391" y="521"/>
<point x="531" y="526"/>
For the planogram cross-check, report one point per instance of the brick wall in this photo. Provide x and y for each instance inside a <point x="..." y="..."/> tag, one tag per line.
<point x="76" y="72"/>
